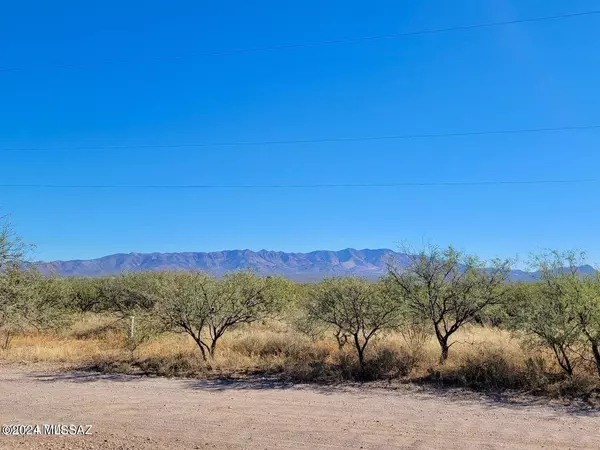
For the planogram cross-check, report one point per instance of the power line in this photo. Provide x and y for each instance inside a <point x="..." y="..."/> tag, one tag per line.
<point x="311" y="141"/>
<point x="312" y="44"/>
<point x="299" y="186"/>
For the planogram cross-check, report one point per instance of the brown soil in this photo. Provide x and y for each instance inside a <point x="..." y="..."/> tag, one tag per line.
<point x="129" y="412"/>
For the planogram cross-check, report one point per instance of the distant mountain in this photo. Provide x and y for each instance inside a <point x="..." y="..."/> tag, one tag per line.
<point x="311" y="266"/>
<point x="297" y="266"/>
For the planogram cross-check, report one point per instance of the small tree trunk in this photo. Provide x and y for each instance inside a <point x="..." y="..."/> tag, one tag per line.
<point x="131" y="327"/>
<point x="201" y="347"/>
<point x="6" y="340"/>
<point x="563" y="359"/>
<point x="360" y="351"/>
<point x="596" y="352"/>
<point x="213" y="346"/>
<point x="443" y="341"/>
<point x="595" y="344"/>
<point x="342" y="339"/>
<point x="445" y="348"/>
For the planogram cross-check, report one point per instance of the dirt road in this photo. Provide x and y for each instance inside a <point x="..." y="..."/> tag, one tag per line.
<point x="129" y="412"/>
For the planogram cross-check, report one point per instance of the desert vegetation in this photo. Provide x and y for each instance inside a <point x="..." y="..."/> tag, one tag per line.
<point x="445" y="317"/>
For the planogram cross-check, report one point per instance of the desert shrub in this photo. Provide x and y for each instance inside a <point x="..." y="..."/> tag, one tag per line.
<point x="104" y="365"/>
<point x="106" y="329"/>
<point x="140" y="329"/>
<point x="319" y="364"/>
<point x="493" y="370"/>
<point x="29" y="301"/>
<point x="415" y="336"/>
<point x="262" y="344"/>
<point x="87" y="294"/>
<point x="387" y="363"/>
<point x="308" y="363"/>
<point x="182" y="364"/>
<point x="316" y="370"/>
<point x="490" y="370"/>
<point x="580" y="385"/>
<point x="179" y="365"/>
<point x="537" y="373"/>
<point x="128" y="294"/>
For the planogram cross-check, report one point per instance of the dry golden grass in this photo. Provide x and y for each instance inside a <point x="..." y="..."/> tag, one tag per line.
<point x="481" y="357"/>
<point x="90" y="336"/>
<point x="99" y="336"/>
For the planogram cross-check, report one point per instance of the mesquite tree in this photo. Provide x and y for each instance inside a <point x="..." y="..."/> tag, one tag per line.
<point x="356" y="308"/>
<point x="29" y="300"/>
<point x="132" y="298"/>
<point x="562" y="312"/>
<point x="589" y="315"/>
<point x="206" y="308"/>
<point x="12" y="247"/>
<point x="447" y="289"/>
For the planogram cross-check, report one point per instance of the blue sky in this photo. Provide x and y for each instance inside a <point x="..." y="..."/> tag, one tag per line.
<point x="127" y="89"/>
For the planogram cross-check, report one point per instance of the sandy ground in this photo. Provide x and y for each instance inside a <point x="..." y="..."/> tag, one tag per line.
<point x="129" y="412"/>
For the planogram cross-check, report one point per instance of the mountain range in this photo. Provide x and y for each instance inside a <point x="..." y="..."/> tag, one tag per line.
<point x="307" y="267"/>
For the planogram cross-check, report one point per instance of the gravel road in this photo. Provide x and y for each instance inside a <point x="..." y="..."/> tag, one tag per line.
<point x="128" y="412"/>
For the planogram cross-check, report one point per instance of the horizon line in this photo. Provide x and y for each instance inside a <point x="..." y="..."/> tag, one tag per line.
<point x="215" y="251"/>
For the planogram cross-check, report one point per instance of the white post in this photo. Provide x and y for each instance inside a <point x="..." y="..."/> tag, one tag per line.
<point x="131" y="326"/>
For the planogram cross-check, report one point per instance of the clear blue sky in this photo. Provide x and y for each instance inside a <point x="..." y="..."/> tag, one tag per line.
<point x="542" y="74"/>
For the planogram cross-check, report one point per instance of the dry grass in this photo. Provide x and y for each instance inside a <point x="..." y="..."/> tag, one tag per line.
<point x="90" y="336"/>
<point x="482" y="358"/>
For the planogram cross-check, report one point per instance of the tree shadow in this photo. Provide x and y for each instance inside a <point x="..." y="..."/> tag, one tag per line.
<point x="267" y="383"/>
<point x="491" y="399"/>
<point x="229" y="384"/>
<point x="578" y="406"/>
<point x="82" y="376"/>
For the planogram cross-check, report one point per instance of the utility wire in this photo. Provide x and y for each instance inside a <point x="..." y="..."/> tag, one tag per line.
<point x="298" y="186"/>
<point x="309" y="141"/>
<point x="311" y="44"/>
